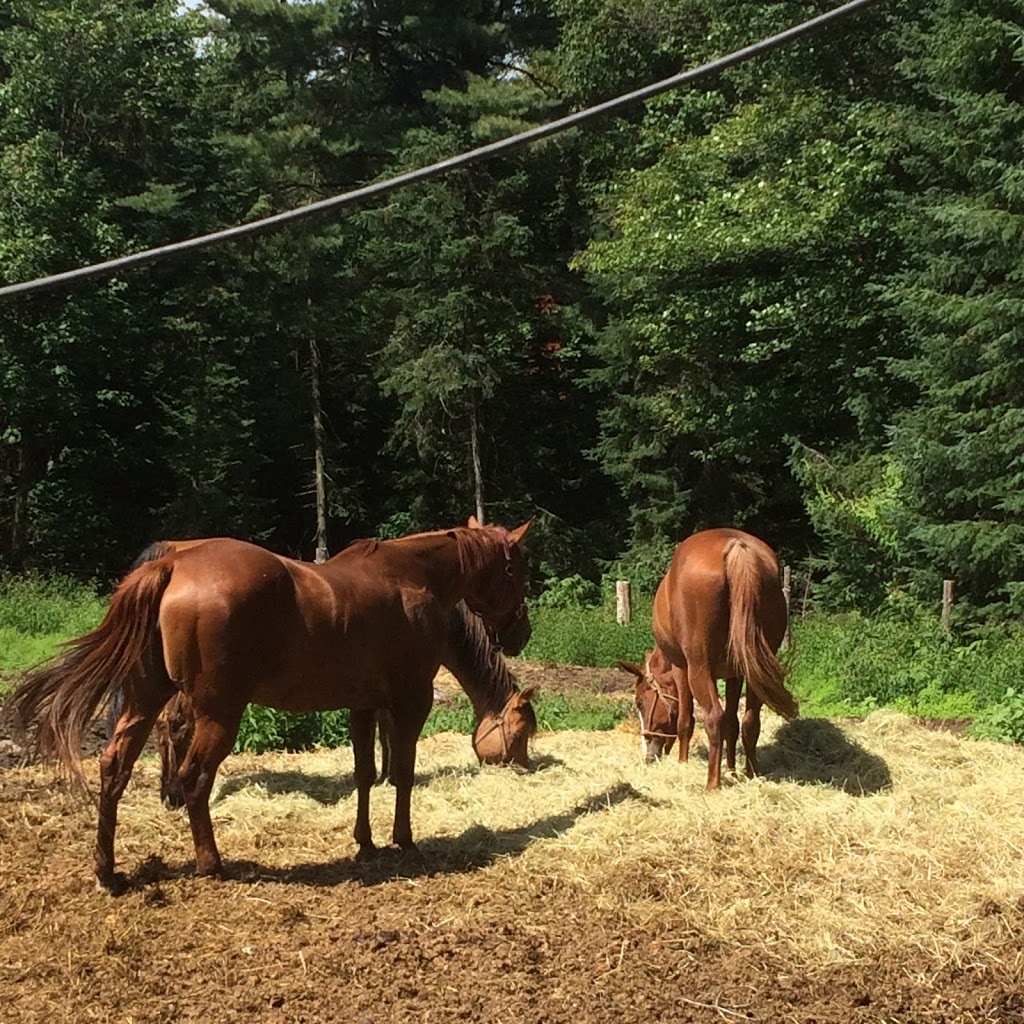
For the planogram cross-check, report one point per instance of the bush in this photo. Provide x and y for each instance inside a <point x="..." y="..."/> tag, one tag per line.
<point x="1004" y="720"/>
<point x="38" y="605"/>
<point x="850" y="664"/>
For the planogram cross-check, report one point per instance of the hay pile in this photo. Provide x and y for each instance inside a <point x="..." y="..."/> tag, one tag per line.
<point x="872" y="849"/>
<point x="859" y="838"/>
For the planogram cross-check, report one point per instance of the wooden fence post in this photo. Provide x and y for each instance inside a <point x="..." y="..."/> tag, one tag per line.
<point x="947" y="604"/>
<point x="787" y="590"/>
<point x="623" y="604"/>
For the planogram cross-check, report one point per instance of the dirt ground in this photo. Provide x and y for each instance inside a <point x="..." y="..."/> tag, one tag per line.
<point x="507" y="913"/>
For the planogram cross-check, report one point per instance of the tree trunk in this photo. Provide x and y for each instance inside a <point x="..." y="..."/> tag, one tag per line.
<point x="322" y="553"/>
<point x="478" y="477"/>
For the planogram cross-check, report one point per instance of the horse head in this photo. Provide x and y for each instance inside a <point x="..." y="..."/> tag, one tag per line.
<point x="503" y="738"/>
<point x="657" y="705"/>
<point x="497" y="593"/>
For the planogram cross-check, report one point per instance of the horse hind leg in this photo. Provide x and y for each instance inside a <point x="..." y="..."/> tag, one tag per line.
<point x="211" y="743"/>
<point x="705" y="691"/>
<point x="731" y="721"/>
<point x="132" y="729"/>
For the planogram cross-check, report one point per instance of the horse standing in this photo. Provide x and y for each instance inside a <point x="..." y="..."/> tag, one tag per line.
<point x="229" y="623"/>
<point x="505" y="719"/>
<point x="719" y="613"/>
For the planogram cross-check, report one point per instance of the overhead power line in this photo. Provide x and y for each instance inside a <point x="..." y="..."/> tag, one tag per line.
<point x="380" y="188"/>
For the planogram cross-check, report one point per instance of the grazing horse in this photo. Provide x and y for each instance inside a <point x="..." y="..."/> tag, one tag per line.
<point x="229" y="623"/>
<point x="720" y="613"/>
<point x="504" y="715"/>
<point x="658" y="706"/>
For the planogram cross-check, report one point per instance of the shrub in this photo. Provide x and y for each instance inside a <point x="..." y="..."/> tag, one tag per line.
<point x="1004" y="720"/>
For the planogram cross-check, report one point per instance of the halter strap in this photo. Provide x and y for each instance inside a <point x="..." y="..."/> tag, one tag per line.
<point x="662" y="696"/>
<point x="499" y="723"/>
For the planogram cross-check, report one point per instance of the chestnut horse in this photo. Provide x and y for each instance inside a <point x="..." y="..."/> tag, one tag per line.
<point x="658" y="705"/>
<point x="720" y="613"/>
<point x="229" y="623"/>
<point x="504" y="715"/>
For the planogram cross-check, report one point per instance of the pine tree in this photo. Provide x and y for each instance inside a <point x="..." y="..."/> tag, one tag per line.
<point x="961" y="449"/>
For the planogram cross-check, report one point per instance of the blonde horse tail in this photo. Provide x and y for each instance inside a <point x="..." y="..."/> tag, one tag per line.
<point x="749" y="649"/>
<point x="64" y="695"/>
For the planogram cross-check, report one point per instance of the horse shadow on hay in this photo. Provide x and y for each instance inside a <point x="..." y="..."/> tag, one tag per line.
<point x="815" y="751"/>
<point x="475" y="848"/>
<point x="328" y="789"/>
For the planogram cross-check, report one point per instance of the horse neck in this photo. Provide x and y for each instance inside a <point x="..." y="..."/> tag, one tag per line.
<point x="436" y="560"/>
<point x="479" y="668"/>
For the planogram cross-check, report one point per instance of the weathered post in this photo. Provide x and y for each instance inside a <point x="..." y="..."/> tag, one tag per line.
<point x="947" y="604"/>
<point x="623" y="603"/>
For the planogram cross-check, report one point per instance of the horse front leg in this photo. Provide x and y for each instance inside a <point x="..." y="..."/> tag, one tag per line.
<point x="129" y="737"/>
<point x="362" y="726"/>
<point x="211" y="743"/>
<point x="406" y="725"/>
<point x="684" y="723"/>
<point x="705" y="691"/>
<point x="751" y="731"/>
<point x="383" y="723"/>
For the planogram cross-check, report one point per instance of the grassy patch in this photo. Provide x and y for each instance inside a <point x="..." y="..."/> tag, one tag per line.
<point x="589" y="635"/>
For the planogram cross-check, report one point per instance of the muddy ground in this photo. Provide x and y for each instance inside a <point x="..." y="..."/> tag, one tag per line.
<point x="472" y="928"/>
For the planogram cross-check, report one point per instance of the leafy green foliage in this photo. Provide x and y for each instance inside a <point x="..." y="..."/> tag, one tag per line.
<point x="1004" y="720"/>
<point x="264" y="729"/>
<point x="556" y="712"/>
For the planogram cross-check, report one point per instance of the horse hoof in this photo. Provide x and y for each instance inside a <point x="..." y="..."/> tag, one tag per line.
<point x="112" y="883"/>
<point x="210" y="871"/>
<point x="366" y="851"/>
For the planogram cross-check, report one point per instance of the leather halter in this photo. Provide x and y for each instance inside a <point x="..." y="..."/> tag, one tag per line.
<point x="498" y="723"/>
<point x="665" y="699"/>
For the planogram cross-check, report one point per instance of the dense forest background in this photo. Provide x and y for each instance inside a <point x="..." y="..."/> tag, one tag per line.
<point x="789" y="300"/>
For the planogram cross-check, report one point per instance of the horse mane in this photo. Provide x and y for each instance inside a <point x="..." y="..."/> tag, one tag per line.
<point x="478" y="666"/>
<point x="476" y="547"/>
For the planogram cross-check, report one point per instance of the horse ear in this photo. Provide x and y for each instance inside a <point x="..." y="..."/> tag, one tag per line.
<point x="633" y="670"/>
<point x="474" y="523"/>
<point x="517" y="535"/>
<point x="528" y="694"/>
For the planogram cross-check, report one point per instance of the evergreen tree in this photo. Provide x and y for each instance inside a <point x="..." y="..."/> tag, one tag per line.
<point x="737" y="274"/>
<point x="960" y="450"/>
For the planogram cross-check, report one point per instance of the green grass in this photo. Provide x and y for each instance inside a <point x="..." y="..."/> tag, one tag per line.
<point x="839" y="665"/>
<point x="589" y="635"/>
<point x="38" y="613"/>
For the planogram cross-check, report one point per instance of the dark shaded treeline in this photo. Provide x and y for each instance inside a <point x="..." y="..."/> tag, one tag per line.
<point x="787" y="301"/>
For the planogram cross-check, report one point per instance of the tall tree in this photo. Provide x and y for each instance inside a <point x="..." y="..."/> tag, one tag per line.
<point x="960" y="450"/>
<point x="737" y="274"/>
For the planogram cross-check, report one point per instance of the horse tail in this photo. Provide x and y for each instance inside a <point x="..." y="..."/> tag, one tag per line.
<point x="157" y="550"/>
<point x="749" y="649"/>
<point x="64" y="695"/>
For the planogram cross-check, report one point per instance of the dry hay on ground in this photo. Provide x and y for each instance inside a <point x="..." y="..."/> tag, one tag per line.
<point x="873" y="875"/>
